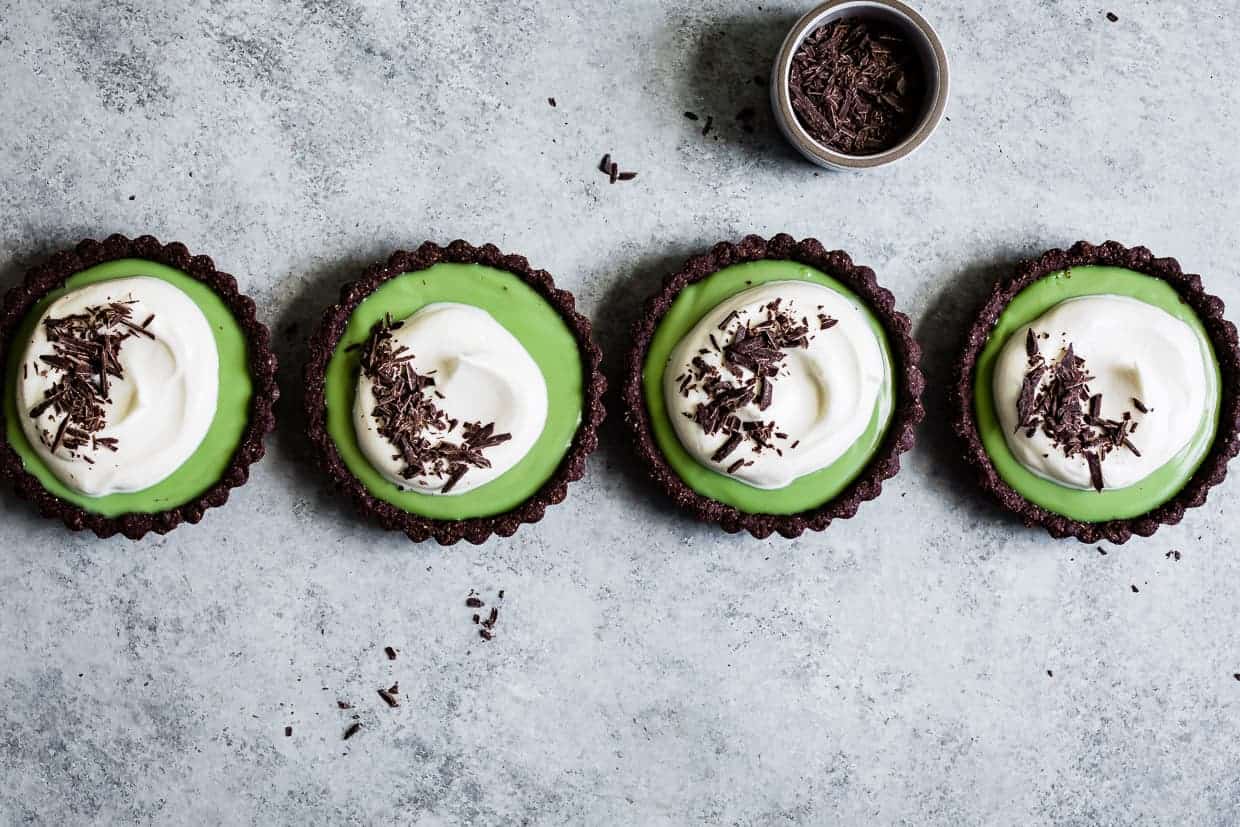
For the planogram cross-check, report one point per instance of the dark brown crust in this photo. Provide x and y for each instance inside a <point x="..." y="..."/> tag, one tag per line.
<point x="476" y="529"/>
<point x="44" y="278"/>
<point x="900" y="435"/>
<point x="1222" y="334"/>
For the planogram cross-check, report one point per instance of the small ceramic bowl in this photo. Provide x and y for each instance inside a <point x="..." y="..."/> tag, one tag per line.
<point x="890" y="12"/>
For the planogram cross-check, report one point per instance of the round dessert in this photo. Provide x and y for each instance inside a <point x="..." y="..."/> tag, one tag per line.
<point x="138" y="386"/>
<point x="773" y="386"/>
<point x="454" y="392"/>
<point x="1096" y="393"/>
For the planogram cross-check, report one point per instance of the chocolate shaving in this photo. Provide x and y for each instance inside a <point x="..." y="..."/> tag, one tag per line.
<point x="388" y="697"/>
<point x="390" y="652"/>
<point x="486" y="634"/>
<point x="409" y="418"/>
<point x="352" y="730"/>
<point x="1056" y="400"/>
<point x="474" y="603"/>
<point x="857" y="85"/>
<point x="85" y="352"/>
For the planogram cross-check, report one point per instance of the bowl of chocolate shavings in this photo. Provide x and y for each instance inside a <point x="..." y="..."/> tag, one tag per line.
<point x="859" y="84"/>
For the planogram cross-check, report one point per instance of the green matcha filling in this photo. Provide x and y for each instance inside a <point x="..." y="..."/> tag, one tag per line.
<point x="525" y="314"/>
<point x="1089" y="506"/>
<point x="807" y="492"/>
<point x="206" y="465"/>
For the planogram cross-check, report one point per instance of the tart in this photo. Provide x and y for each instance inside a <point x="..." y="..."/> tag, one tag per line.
<point x="138" y="386"/>
<point x="772" y="386"/>
<point x="1097" y="392"/>
<point x="454" y="392"/>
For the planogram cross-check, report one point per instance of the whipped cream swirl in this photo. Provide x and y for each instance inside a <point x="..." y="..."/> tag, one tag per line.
<point x="1147" y="379"/>
<point x="156" y="402"/>
<point x="799" y="410"/>
<point x="478" y="401"/>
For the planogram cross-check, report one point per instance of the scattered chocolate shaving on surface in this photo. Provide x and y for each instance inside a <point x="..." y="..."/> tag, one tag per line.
<point x="394" y="688"/>
<point x="710" y="121"/>
<point x="1139" y="405"/>
<point x="746" y="118"/>
<point x="1173" y="555"/>
<point x="691" y="116"/>
<point x="1102" y="551"/>
<point x="352" y="730"/>
<point x="390" y="652"/>
<point x="344" y="705"/>
<point x="1135" y="590"/>
<point x="491" y="618"/>
<point x="1236" y="676"/>
<point x="501" y="594"/>
<point x="288" y="732"/>
<point x="604" y="165"/>
<point x="477" y="617"/>
<point x="857" y="85"/>
<point x="1113" y="17"/>
<point x="409" y="418"/>
<point x="474" y="603"/>
<point x="613" y="172"/>
<point x="626" y="176"/>
<point x="388" y="697"/>
<point x="1050" y="674"/>
<point x="551" y="101"/>
<point x="486" y="634"/>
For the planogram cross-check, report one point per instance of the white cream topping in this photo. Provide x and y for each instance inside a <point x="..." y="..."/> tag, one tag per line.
<point x="482" y="374"/>
<point x="158" y="412"/>
<point x="822" y="399"/>
<point x="1133" y="351"/>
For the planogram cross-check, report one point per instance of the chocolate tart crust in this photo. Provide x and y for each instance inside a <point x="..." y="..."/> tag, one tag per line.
<point x="1222" y="335"/>
<point x="475" y="529"/>
<point x="908" y="379"/>
<point x="46" y="277"/>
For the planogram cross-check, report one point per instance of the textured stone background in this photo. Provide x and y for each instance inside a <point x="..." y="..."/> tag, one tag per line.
<point x="647" y="669"/>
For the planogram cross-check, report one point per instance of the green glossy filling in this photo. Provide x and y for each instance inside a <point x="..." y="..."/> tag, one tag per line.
<point x="807" y="492"/>
<point x="526" y="315"/>
<point x="1089" y="506"/>
<point x="206" y="465"/>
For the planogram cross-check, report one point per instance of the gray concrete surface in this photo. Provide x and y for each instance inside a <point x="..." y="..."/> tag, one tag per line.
<point x="927" y="662"/>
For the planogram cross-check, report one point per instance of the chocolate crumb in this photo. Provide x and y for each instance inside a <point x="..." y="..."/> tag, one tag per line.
<point x="1050" y="674"/>
<point x="474" y="603"/>
<point x="352" y="730"/>
<point x="1135" y="590"/>
<point x="691" y="116"/>
<point x="501" y="594"/>
<point x="388" y="697"/>
<point x="390" y="652"/>
<point x="1113" y="17"/>
<point x="485" y="634"/>
<point x="551" y="101"/>
<point x="394" y="688"/>
<point x="605" y="165"/>
<point x="710" y="121"/>
<point x="1173" y="555"/>
<point x="476" y="617"/>
<point x="288" y="732"/>
<point x="626" y="176"/>
<point x="344" y="705"/>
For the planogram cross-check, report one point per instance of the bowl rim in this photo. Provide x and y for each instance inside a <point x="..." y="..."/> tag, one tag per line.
<point x="796" y="133"/>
